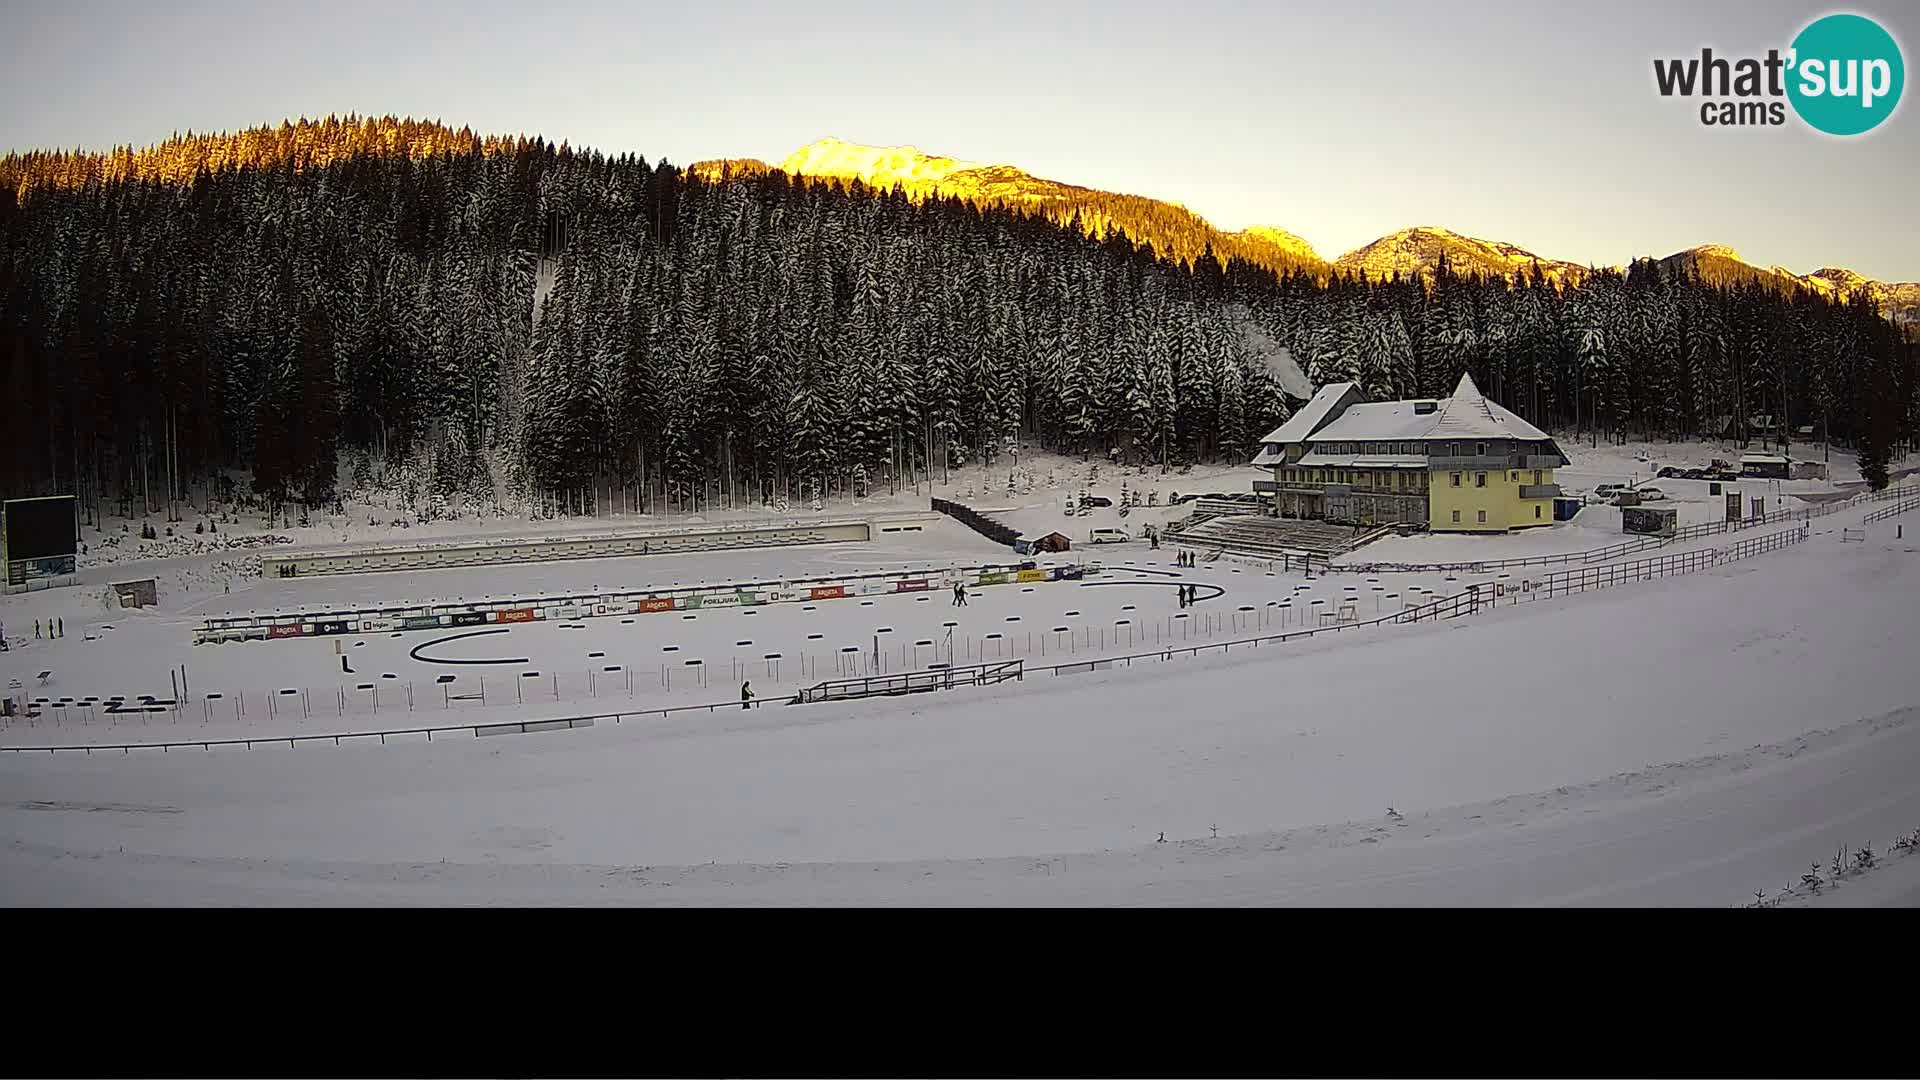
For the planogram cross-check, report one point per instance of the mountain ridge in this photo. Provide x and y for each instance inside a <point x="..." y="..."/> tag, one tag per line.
<point x="1172" y="229"/>
<point x="1407" y="251"/>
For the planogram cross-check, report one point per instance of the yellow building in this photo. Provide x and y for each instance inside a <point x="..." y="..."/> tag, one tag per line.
<point x="1458" y="464"/>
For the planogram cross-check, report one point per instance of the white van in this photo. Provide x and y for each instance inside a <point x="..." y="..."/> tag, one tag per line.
<point x="1108" y="536"/>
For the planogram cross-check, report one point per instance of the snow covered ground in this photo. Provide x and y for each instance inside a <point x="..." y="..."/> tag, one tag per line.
<point x="1129" y="608"/>
<point x="1523" y="751"/>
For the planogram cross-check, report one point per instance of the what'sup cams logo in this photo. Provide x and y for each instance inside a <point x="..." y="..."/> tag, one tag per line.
<point x="1842" y="75"/>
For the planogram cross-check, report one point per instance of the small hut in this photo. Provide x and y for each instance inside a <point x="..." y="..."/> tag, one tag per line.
<point x="1046" y="542"/>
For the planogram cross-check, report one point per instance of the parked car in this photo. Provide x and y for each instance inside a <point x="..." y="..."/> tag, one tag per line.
<point x="1095" y="500"/>
<point x="1608" y="491"/>
<point x="1108" y="536"/>
<point x="1670" y="472"/>
<point x="1650" y="494"/>
<point x="1694" y="474"/>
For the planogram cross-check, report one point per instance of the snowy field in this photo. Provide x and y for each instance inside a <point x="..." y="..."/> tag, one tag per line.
<point x="664" y="658"/>
<point x="1682" y="741"/>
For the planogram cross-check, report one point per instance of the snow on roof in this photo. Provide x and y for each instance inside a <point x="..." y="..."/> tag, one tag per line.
<point x="1374" y="420"/>
<point x="1311" y="415"/>
<point x="1269" y="455"/>
<point x="1465" y="415"/>
<point x="1769" y="459"/>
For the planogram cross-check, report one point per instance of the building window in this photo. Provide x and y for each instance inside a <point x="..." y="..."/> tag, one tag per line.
<point x="1456" y="517"/>
<point x="1456" y="479"/>
<point x="1536" y="511"/>
<point x="1483" y="517"/>
<point x="1479" y="449"/>
<point x="1479" y="479"/>
<point x="1536" y="476"/>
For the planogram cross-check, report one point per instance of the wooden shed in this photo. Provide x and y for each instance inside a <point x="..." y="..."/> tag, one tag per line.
<point x="1053" y="541"/>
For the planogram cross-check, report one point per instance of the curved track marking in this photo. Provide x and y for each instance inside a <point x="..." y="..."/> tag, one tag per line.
<point x="1197" y="596"/>
<point x="415" y="651"/>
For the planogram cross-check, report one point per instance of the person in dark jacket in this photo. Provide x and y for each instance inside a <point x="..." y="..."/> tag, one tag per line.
<point x="746" y="695"/>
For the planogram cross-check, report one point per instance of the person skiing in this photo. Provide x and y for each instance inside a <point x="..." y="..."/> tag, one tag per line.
<point x="746" y="695"/>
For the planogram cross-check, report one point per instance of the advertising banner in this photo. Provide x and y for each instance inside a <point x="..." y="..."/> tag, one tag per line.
<point x="828" y="592"/>
<point x="467" y="618"/>
<point x="333" y="626"/>
<point x="993" y="579"/>
<point x="516" y="615"/>
<point x="719" y="599"/>
<point x="916" y="585"/>
<point x="419" y="622"/>
<point x="747" y="599"/>
<point x="657" y="603"/>
<point x="1032" y="575"/>
<point x="285" y="630"/>
<point x="21" y="571"/>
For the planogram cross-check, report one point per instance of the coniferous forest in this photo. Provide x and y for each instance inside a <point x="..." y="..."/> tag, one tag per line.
<point x="511" y="322"/>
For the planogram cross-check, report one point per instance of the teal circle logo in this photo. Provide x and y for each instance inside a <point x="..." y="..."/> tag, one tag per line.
<point x="1845" y="74"/>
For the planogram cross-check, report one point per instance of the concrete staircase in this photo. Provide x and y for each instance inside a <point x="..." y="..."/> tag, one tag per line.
<point x="1256" y="534"/>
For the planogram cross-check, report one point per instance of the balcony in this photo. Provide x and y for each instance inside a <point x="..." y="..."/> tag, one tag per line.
<point x="1473" y="463"/>
<point x="1539" y="491"/>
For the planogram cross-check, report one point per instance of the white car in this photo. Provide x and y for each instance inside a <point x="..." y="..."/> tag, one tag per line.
<point x="1650" y="494"/>
<point x="1108" y="536"/>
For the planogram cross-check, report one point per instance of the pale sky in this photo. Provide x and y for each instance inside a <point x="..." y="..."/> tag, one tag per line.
<point x="1534" y="123"/>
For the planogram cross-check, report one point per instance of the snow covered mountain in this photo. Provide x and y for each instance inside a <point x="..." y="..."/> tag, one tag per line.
<point x="1723" y="265"/>
<point x="1418" y="251"/>
<point x="1171" y="228"/>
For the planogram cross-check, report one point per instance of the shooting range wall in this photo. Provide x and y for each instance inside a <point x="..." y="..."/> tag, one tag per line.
<point x="664" y="541"/>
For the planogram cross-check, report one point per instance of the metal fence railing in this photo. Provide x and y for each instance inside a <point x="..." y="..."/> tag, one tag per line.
<point x="1633" y="546"/>
<point x="1685" y="562"/>
<point x="939" y="677"/>
<point x="341" y="738"/>
<point x="1892" y="511"/>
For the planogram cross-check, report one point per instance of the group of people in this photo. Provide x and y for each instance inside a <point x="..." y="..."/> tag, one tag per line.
<point x="1187" y="598"/>
<point x="55" y="628"/>
<point x="1183" y="558"/>
<point x="959" y="594"/>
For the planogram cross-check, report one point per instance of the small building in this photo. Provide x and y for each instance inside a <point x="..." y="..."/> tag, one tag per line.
<point x="1564" y="508"/>
<point x="137" y="594"/>
<point x="1048" y="542"/>
<point x="1649" y="520"/>
<point x="1807" y="470"/>
<point x="1766" y="466"/>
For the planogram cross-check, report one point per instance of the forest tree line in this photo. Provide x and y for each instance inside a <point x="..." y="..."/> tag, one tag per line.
<point x="513" y="323"/>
